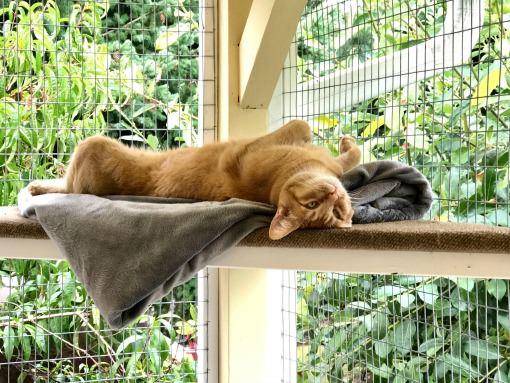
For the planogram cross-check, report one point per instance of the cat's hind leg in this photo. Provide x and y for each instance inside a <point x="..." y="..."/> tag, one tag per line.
<point x="295" y="132"/>
<point x="39" y="187"/>
<point x="350" y="153"/>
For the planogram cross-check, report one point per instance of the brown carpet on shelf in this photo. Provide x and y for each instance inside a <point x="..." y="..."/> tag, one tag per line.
<point x="403" y="235"/>
<point x="13" y="225"/>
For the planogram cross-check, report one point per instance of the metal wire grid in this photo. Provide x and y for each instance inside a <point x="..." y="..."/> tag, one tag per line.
<point x="53" y="332"/>
<point x="371" y="328"/>
<point x="131" y="70"/>
<point x="453" y="127"/>
<point x="128" y="69"/>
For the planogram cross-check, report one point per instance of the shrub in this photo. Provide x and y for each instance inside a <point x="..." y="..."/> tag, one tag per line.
<point x="454" y="127"/>
<point x="64" y="76"/>
<point x="161" y="42"/>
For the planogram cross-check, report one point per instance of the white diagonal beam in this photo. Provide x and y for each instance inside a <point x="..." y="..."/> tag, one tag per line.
<point x="264" y="44"/>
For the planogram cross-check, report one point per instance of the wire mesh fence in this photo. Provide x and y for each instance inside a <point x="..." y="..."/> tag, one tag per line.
<point x="453" y="126"/>
<point x="424" y="83"/>
<point x="132" y="70"/>
<point x="51" y="331"/>
<point x="372" y="328"/>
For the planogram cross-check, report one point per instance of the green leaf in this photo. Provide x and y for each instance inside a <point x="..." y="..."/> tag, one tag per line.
<point x="372" y="127"/>
<point x="159" y="350"/>
<point x="193" y="312"/>
<point x="407" y="280"/>
<point x="188" y="328"/>
<point x="500" y="377"/>
<point x="39" y="338"/>
<point x="170" y="36"/>
<point x="489" y="183"/>
<point x="358" y="305"/>
<point x="428" y="293"/>
<point x="143" y="109"/>
<point x="383" y="370"/>
<point x="505" y="322"/>
<point x="302" y="308"/>
<point x="383" y="347"/>
<point x="132" y="362"/>
<point x="431" y="346"/>
<point x="503" y="159"/>
<point x="324" y="123"/>
<point x="458" y="366"/>
<point x="496" y="288"/>
<point x="26" y="346"/>
<point x="487" y="84"/>
<point x="153" y="142"/>
<point x="460" y="299"/>
<point x="133" y="343"/>
<point x="9" y="341"/>
<point x="460" y="156"/>
<point x="458" y="112"/>
<point x="499" y="217"/>
<point x="379" y="325"/>
<point x="403" y="335"/>
<point x="482" y="349"/>
<point x="388" y="291"/>
<point x="466" y="284"/>
<point x="406" y="300"/>
<point x="335" y="343"/>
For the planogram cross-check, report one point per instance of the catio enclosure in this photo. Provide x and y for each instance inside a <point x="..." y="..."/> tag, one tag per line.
<point x="420" y="82"/>
<point x="443" y="108"/>
<point x="70" y="69"/>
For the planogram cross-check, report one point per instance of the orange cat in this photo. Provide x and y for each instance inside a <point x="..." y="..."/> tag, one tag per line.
<point x="281" y="168"/>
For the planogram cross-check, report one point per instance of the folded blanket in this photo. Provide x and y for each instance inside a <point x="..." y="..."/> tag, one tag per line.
<point x="131" y="251"/>
<point x="385" y="191"/>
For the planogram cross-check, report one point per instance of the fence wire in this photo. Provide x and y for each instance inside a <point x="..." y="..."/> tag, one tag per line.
<point x="451" y="121"/>
<point x="68" y="70"/>
<point x="373" y="328"/>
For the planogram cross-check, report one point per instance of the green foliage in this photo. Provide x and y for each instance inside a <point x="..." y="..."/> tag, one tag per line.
<point x="335" y="36"/>
<point x="54" y="88"/>
<point x="401" y="329"/>
<point x="453" y="127"/>
<point x="160" y="40"/>
<point x="70" y="70"/>
<point x="48" y="321"/>
<point x="67" y="75"/>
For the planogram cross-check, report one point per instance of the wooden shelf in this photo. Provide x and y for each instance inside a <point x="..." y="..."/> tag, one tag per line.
<point x="406" y="247"/>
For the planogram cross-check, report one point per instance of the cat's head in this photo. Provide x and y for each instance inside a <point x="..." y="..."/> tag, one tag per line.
<point x="311" y="200"/>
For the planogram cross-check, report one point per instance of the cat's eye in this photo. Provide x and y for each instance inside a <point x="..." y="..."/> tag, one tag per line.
<point x="312" y="205"/>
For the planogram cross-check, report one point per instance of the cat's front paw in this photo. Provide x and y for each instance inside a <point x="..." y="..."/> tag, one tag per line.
<point x="37" y="188"/>
<point x="347" y="144"/>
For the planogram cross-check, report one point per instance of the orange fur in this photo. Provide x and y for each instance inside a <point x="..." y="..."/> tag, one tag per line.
<point x="281" y="168"/>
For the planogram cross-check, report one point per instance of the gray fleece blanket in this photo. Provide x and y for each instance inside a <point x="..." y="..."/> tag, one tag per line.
<point x="131" y="251"/>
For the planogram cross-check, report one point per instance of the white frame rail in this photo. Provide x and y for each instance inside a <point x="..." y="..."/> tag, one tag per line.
<point x="449" y="48"/>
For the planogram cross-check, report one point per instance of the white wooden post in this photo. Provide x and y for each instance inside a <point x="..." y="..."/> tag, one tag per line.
<point x="251" y="347"/>
<point x="250" y="343"/>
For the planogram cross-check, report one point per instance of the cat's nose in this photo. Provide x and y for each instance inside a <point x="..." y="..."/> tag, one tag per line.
<point x="333" y="196"/>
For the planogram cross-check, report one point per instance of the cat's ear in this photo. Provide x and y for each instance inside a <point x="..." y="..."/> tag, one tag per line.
<point x="282" y="224"/>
